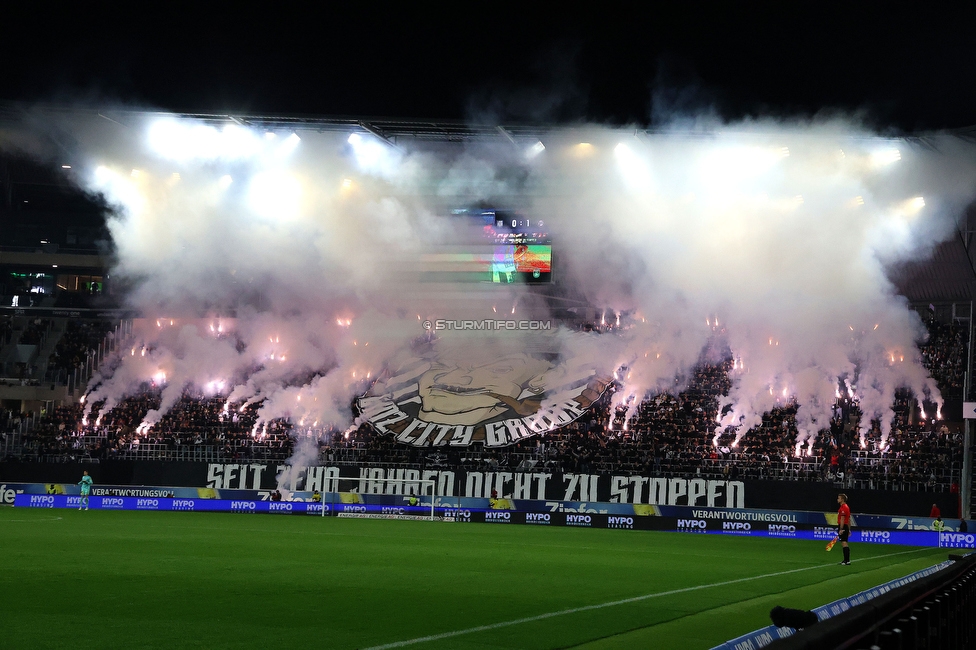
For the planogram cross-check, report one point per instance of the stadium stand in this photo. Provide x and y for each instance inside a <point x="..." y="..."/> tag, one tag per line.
<point x="672" y="435"/>
<point x="35" y="331"/>
<point x="944" y="355"/>
<point x="6" y="329"/>
<point x="75" y="347"/>
<point x="194" y="429"/>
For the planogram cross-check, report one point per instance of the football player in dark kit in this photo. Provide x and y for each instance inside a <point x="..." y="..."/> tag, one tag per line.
<point x="844" y="526"/>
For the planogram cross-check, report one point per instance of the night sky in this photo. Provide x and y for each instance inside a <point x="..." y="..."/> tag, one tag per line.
<point x="900" y="68"/>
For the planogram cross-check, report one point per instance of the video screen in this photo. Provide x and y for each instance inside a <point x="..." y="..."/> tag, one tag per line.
<point x="521" y="263"/>
<point x="522" y="246"/>
<point x="495" y="247"/>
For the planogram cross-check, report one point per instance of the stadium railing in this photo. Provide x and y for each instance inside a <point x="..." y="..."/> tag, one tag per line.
<point x="933" y="612"/>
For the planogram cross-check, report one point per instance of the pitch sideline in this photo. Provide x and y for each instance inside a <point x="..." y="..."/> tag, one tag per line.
<point x="614" y="603"/>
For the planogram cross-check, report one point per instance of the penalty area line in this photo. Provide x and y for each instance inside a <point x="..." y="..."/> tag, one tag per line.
<point x="614" y="603"/>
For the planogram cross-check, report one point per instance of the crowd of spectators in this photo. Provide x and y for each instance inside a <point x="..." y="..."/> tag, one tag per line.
<point x="944" y="355"/>
<point x="672" y="434"/>
<point x="33" y="333"/>
<point x="195" y="421"/>
<point x="80" y="340"/>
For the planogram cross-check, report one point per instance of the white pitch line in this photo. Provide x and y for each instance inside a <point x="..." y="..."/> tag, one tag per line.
<point x="614" y="603"/>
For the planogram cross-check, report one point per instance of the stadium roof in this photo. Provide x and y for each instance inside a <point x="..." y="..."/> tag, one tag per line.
<point x="388" y="128"/>
<point x="947" y="277"/>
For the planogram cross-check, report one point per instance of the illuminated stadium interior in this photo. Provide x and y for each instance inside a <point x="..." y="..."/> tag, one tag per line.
<point x="479" y="226"/>
<point x="395" y="326"/>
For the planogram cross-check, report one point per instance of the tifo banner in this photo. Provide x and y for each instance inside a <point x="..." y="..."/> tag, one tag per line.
<point x="508" y="484"/>
<point x="440" y="401"/>
<point x="610" y="490"/>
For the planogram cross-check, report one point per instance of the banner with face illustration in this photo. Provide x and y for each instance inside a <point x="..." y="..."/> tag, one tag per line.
<point x="435" y="401"/>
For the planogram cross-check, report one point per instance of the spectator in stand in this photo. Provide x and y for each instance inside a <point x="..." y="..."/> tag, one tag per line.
<point x="935" y="513"/>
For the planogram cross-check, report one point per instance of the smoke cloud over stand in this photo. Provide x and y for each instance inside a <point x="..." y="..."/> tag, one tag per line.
<point x="771" y="238"/>
<point x="287" y="268"/>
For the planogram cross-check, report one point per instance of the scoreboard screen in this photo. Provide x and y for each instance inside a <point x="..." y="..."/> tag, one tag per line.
<point x="499" y="247"/>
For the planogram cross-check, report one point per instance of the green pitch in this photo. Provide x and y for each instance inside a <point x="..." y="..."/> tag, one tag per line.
<point x="102" y="579"/>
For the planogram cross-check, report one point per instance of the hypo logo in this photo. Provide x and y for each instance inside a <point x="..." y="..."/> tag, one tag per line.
<point x="113" y="502"/>
<point x="820" y="532"/>
<point x="182" y="504"/>
<point x="348" y="508"/>
<point x="538" y="518"/>
<point x="315" y="509"/>
<point x="457" y="515"/>
<point x="620" y="522"/>
<point x="692" y="525"/>
<point x="876" y="536"/>
<point x="39" y="501"/>
<point x="957" y="540"/>
<point x="740" y="527"/>
<point x="279" y="506"/>
<point x="147" y="504"/>
<point x="499" y="516"/>
<point x="392" y="510"/>
<point x="782" y="530"/>
<point x="243" y="506"/>
<point x="579" y="520"/>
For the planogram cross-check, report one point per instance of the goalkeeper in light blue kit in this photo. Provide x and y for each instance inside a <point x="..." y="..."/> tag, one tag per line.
<point x="86" y="484"/>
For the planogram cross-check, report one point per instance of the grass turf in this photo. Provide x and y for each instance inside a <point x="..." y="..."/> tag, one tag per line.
<point x="200" y="580"/>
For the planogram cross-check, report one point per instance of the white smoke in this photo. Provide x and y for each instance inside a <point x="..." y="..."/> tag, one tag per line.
<point x="772" y="238"/>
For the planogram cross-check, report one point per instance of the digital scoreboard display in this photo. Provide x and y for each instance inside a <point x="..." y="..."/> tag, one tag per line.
<point x="504" y="247"/>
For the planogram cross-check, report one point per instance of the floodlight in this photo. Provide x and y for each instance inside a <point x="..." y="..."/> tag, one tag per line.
<point x="535" y="150"/>
<point x="372" y="154"/>
<point x="180" y="140"/>
<point x="275" y="195"/>
<point x="289" y="145"/>
<point x="885" y="157"/>
<point x="633" y="167"/>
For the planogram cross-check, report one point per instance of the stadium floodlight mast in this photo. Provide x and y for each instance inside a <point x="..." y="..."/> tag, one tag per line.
<point x="409" y="485"/>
